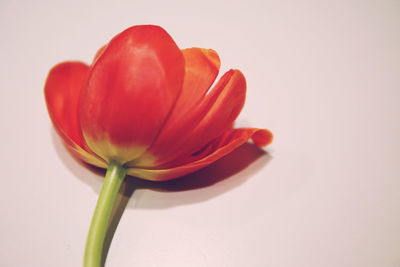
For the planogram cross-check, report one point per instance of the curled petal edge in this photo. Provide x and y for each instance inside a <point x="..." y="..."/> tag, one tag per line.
<point x="260" y="137"/>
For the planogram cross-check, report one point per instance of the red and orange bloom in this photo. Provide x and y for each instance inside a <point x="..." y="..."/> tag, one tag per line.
<point x="147" y="109"/>
<point x="150" y="106"/>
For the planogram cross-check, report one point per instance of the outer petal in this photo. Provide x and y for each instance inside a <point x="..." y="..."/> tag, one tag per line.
<point x="62" y="91"/>
<point x="131" y="90"/>
<point x="209" y="154"/>
<point x="209" y="119"/>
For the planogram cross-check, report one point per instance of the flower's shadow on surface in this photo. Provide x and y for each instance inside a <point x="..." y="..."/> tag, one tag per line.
<point x="193" y="188"/>
<point x="197" y="187"/>
<point x="201" y="185"/>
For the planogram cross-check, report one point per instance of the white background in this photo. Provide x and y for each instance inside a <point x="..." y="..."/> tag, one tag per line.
<point x="323" y="76"/>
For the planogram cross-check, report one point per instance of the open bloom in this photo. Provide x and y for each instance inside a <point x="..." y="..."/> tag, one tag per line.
<point x="149" y="106"/>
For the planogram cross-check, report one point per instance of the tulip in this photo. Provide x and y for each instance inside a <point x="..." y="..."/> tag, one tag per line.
<point x="144" y="108"/>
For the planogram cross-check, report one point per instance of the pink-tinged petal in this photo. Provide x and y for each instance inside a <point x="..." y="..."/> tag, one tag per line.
<point x="215" y="150"/>
<point x="99" y="53"/>
<point x="209" y="119"/>
<point x="62" y="91"/>
<point x="131" y="90"/>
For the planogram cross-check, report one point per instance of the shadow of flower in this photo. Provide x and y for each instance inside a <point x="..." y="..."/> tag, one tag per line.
<point x="235" y="164"/>
<point x="192" y="188"/>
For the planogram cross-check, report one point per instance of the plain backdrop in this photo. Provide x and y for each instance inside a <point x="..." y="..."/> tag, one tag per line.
<point x="323" y="76"/>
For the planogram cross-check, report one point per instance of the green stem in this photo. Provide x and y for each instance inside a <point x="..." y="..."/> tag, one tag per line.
<point x="98" y="228"/>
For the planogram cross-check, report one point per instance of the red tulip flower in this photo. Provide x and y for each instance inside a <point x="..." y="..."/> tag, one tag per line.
<point x="147" y="109"/>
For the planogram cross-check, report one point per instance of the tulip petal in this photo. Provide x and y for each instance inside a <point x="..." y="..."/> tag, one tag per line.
<point x="215" y="150"/>
<point x="62" y="91"/>
<point x="99" y="52"/>
<point x="201" y="70"/>
<point x="210" y="118"/>
<point x="132" y="88"/>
